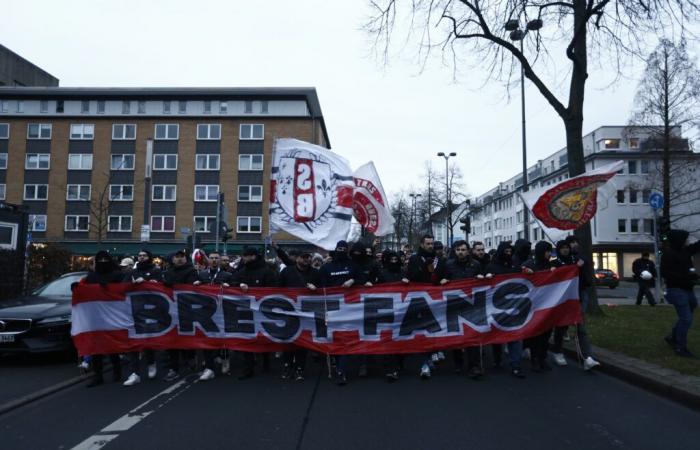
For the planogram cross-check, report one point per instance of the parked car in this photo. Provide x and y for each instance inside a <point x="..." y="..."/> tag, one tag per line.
<point x="41" y="321"/>
<point x="606" y="277"/>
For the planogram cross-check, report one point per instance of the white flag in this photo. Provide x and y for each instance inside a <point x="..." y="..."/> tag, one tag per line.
<point x="311" y="192"/>
<point x="370" y="204"/>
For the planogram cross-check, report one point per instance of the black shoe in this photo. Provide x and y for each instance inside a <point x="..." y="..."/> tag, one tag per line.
<point x="247" y="373"/>
<point x="392" y="377"/>
<point x="684" y="352"/>
<point x="670" y="341"/>
<point x="96" y="381"/>
<point x="517" y="373"/>
<point x="287" y="372"/>
<point x="299" y="374"/>
<point x="341" y="379"/>
<point x="475" y="373"/>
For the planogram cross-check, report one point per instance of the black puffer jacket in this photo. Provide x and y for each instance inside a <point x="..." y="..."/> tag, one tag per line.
<point x="184" y="274"/>
<point x="502" y="263"/>
<point x="215" y="276"/>
<point x="677" y="261"/>
<point x="292" y="276"/>
<point x="256" y="273"/>
<point x="461" y="269"/>
<point x="148" y="271"/>
<point x="539" y="261"/>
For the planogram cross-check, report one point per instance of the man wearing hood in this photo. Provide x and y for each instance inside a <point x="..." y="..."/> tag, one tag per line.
<point x="392" y="271"/>
<point x="680" y="275"/>
<point x="500" y="264"/>
<point x="106" y="271"/>
<point x="361" y="256"/>
<point x="539" y="262"/>
<point x="522" y="250"/>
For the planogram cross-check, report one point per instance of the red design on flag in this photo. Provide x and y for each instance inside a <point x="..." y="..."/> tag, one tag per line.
<point x="345" y="196"/>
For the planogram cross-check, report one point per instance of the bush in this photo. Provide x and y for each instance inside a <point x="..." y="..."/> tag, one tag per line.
<point x="47" y="262"/>
<point x="12" y="273"/>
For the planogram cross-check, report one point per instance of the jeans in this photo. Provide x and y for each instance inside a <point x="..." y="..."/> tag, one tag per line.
<point x="685" y="303"/>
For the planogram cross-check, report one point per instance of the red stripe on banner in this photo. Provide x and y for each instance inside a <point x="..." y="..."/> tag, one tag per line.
<point x="345" y="194"/>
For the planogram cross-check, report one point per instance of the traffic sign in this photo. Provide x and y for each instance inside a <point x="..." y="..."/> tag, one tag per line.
<point x="656" y="200"/>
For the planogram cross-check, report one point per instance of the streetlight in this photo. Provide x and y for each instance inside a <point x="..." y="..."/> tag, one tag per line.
<point x="518" y="34"/>
<point x="146" y="225"/>
<point x="449" y="197"/>
<point x="414" y="198"/>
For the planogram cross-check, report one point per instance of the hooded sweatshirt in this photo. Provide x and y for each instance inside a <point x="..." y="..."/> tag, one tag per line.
<point x="391" y="271"/>
<point x="105" y="271"/>
<point x="421" y="266"/>
<point x="365" y="264"/>
<point x="677" y="261"/>
<point x="521" y="252"/>
<point x="256" y="273"/>
<point x="539" y="261"/>
<point x="502" y="263"/>
<point x="562" y="260"/>
<point x="184" y="274"/>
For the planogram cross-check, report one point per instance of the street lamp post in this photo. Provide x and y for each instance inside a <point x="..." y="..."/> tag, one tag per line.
<point x="146" y="226"/>
<point x="518" y="34"/>
<point x="414" y="198"/>
<point x="449" y="197"/>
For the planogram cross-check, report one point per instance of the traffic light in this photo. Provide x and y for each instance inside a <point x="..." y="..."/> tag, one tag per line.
<point x="664" y="226"/>
<point x="466" y="224"/>
<point x="226" y="233"/>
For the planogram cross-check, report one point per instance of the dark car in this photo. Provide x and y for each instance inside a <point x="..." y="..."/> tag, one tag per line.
<point x="40" y="322"/>
<point x="606" y="277"/>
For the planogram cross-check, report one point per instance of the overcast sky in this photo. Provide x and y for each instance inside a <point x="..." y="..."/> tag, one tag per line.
<point x="398" y="116"/>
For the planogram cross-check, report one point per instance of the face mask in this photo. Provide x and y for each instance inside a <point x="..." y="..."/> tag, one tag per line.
<point x="103" y="266"/>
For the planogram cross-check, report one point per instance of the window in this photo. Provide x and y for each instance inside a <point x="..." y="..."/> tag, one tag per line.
<point x="59" y="106"/>
<point x="634" y="143"/>
<point x="202" y="224"/>
<point x="3" y="160"/>
<point x="141" y="110"/>
<point x="79" y="161"/>
<point x="634" y="225"/>
<point x="36" y="191"/>
<point x="44" y="106"/>
<point x="249" y="193"/>
<point x="78" y="192"/>
<point x="620" y="196"/>
<point x="85" y="106"/>
<point x="119" y="223"/>
<point x="3" y="187"/>
<point x="166" y="107"/>
<point x="209" y="131"/>
<point x="182" y="107"/>
<point x="248" y="107"/>
<point x="166" y="161"/>
<point x="77" y="223"/>
<point x="206" y="192"/>
<point x="123" y="131"/>
<point x="644" y="166"/>
<point x="162" y="224"/>
<point x="4" y="130"/>
<point x="622" y="225"/>
<point x="37" y="161"/>
<point x="246" y="224"/>
<point x="164" y="192"/>
<point x="223" y="107"/>
<point x="82" y="131"/>
<point x="632" y="167"/>
<point x="251" y="131"/>
<point x="611" y="144"/>
<point x="121" y="192"/>
<point x="646" y="193"/>
<point x="649" y="226"/>
<point x="3" y="106"/>
<point x="207" y="107"/>
<point x="8" y="235"/>
<point x="39" y="131"/>
<point x="20" y="106"/>
<point x="633" y="196"/>
<point x="122" y="162"/>
<point x="167" y="131"/>
<point x="207" y="162"/>
<point x="126" y="107"/>
<point x="250" y="162"/>
<point x="37" y="222"/>
<point x="101" y="107"/>
<point x="264" y="107"/>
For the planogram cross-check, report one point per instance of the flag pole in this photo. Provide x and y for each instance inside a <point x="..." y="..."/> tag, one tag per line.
<point x="542" y="227"/>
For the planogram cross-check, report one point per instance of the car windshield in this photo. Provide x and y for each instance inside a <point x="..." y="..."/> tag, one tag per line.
<point x="59" y="287"/>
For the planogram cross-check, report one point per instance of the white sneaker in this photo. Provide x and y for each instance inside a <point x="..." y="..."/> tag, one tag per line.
<point x="425" y="372"/>
<point x="225" y="365"/>
<point x="207" y="375"/>
<point x="132" y="380"/>
<point x="441" y="356"/>
<point x="590" y="363"/>
<point x="152" y="371"/>
<point x="559" y="359"/>
<point x="435" y="357"/>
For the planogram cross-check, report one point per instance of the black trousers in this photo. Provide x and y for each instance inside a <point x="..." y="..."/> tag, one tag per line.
<point x="98" y="365"/>
<point x="645" y="291"/>
<point x="295" y="358"/>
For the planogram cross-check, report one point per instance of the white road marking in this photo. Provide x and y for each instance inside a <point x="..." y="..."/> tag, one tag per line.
<point x="133" y="417"/>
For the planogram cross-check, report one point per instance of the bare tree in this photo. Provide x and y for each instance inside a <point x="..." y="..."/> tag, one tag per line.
<point x="558" y="34"/>
<point x="668" y="98"/>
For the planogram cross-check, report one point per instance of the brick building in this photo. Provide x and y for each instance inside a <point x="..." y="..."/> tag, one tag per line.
<point x="76" y="157"/>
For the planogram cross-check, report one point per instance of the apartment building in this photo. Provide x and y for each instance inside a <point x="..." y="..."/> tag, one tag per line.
<point x="79" y="160"/>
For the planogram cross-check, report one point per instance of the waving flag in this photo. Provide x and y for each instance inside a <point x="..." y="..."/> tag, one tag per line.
<point x="311" y="192"/>
<point x="571" y="203"/>
<point x="370" y="205"/>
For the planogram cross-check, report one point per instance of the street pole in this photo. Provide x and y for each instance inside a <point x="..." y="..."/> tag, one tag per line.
<point x="657" y="257"/>
<point x="526" y="219"/>
<point x="448" y="221"/>
<point x="146" y="226"/>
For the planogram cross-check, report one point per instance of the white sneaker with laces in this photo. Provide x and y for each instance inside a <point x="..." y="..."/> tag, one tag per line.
<point x="590" y="363"/>
<point x="559" y="359"/>
<point x="425" y="372"/>
<point x="152" y="371"/>
<point x="207" y="375"/>
<point x="132" y="380"/>
<point x="435" y="357"/>
<point x="225" y="365"/>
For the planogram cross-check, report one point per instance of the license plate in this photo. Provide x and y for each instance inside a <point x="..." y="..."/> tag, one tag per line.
<point x="7" y="338"/>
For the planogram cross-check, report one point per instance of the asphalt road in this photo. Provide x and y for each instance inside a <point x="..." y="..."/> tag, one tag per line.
<point x="565" y="408"/>
<point x="23" y="375"/>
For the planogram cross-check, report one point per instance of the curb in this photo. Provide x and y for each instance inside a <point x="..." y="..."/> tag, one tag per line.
<point x="34" y="396"/>
<point x="668" y="383"/>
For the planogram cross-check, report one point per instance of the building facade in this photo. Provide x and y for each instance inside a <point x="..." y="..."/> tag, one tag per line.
<point x="78" y="159"/>
<point x="17" y="71"/>
<point x="624" y="225"/>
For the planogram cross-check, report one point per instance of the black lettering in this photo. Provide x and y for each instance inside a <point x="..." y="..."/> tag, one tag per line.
<point x="151" y="313"/>
<point x="511" y="298"/>
<point x="470" y="308"/>
<point x="237" y="310"/>
<point x="279" y="310"/>
<point x="320" y="306"/>
<point x="197" y="308"/>
<point x="372" y="317"/>
<point x="418" y="317"/>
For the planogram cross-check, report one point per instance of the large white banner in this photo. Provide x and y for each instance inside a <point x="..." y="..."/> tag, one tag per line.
<point x="311" y="192"/>
<point x="370" y="204"/>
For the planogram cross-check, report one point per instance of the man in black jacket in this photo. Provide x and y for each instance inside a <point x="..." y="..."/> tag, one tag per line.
<point x="644" y="271"/>
<point x="538" y="344"/>
<point x="680" y="276"/>
<point x="392" y="271"/>
<point x="479" y="254"/>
